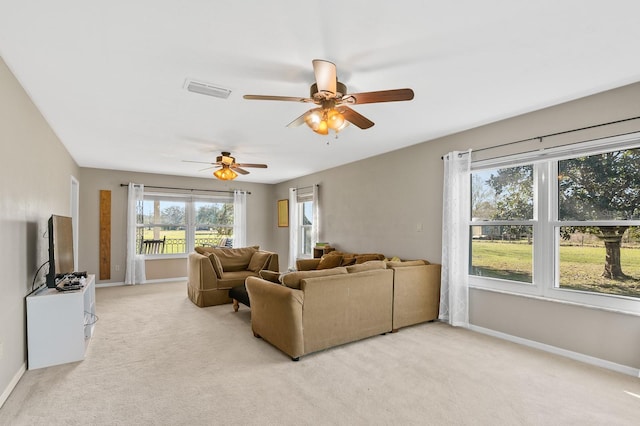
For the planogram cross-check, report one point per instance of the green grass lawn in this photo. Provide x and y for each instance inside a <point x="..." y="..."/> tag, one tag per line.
<point x="580" y="267"/>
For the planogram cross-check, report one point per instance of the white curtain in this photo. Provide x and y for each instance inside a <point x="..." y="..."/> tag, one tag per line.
<point x="239" y="218"/>
<point x="454" y="293"/>
<point x="315" y="226"/>
<point x="293" y="227"/>
<point x="134" y="268"/>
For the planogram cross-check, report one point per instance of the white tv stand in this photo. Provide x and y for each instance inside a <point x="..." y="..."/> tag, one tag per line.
<point x="60" y="324"/>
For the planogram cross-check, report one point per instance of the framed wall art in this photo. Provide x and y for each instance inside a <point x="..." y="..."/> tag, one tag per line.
<point x="283" y="213"/>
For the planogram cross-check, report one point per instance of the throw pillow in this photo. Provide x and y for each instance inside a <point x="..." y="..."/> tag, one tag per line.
<point x="258" y="261"/>
<point x="330" y="261"/>
<point x="361" y="258"/>
<point x="217" y="266"/>
<point x="348" y="260"/>
<point x="272" y="276"/>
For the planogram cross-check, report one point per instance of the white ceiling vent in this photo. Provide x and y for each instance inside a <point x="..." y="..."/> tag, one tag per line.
<point x="206" y="89"/>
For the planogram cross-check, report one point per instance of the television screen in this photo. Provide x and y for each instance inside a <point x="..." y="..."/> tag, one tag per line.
<point x="60" y="248"/>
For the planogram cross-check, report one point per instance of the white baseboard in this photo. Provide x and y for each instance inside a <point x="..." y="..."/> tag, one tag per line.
<point x="12" y="384"/>
<point x="162" y="280"/>
<point x="559" y="351"/>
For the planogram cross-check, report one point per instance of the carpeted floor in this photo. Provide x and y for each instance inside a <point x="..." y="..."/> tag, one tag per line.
<point x="157" y="359"/>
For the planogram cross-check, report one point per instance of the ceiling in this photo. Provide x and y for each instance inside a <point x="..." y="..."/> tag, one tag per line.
<point x="109" y="76"/>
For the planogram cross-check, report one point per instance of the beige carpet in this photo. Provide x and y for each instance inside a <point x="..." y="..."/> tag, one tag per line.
<point x="157" y="359"/>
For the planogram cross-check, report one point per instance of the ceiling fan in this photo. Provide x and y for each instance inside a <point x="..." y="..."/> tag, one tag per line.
<point x="331" y="95"/>
<point x="228" y="166"/>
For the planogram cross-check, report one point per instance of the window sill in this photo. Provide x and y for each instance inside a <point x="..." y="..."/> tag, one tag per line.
<point x="165" y="256"/>
<point x="560" y="301"/>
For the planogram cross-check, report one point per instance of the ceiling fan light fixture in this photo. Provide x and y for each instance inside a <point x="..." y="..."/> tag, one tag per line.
<point x="335" y="119"/>
<point x="225" y="173"/>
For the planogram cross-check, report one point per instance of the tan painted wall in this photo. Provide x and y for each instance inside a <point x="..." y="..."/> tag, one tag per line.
<point x="378" y="204"/>
<point x="35" y="182"/>
<point x="261" y="219"/>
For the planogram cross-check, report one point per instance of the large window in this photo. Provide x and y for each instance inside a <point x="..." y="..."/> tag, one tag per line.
<point x="565" y="226"/>
<point x="182" y="222"/>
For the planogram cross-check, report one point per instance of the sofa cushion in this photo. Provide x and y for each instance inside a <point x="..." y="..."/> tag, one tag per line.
<point x="271" y="276"/>
<point x="391" y="264"/>
<point x="234" y="259"/>
<point x="258" y="261"/>
<point x="329" y="261"/>
<point x="367" y="266"/>
<point x="292" y="279"/>
<point x="217" y="266"/>
<point x="232" y="279"/>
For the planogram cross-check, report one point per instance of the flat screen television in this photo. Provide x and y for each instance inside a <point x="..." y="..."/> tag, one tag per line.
<point x="60" y="248"/>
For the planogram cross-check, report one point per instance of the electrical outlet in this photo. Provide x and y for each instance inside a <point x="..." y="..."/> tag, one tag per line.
<point x="419" y="227"/>
<point x="117" y="268"/>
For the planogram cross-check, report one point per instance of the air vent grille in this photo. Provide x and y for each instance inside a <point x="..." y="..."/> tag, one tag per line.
<point x="207" y="89"/>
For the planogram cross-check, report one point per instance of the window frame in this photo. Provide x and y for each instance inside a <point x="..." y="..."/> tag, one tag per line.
<point x="546" y="263"/>
<point x="302" y="228"/>
<point x="190" y="217"/>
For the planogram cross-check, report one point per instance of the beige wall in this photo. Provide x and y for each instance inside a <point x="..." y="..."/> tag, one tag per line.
<point x="35" y="182"/>
<point x="261" y="219"/>
<point x="379" y="204"/>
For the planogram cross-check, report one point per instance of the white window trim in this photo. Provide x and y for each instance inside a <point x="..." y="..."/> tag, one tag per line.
<point x="545" y="261"/>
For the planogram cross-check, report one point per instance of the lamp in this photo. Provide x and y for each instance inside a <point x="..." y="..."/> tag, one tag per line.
<point x="225" y="173"/>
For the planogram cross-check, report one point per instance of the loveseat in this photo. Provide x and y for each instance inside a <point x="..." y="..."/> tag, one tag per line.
<point x="307" y="311"/>
<point x="212" y="271"/>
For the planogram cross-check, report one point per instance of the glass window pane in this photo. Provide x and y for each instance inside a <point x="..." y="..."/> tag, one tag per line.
<point x="213" y="222"/>
<point x="602" y="259"/>
<point x="502" y="194"/>
<point x="504" y="252"/>
<point x="157" y="212"/>
<point x="307" y="213"/>
<point x="600" y="187"/>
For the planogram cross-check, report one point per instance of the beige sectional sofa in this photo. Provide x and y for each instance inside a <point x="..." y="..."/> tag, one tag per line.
<point x="307" y="311"/>
<point x="212" y="271"/>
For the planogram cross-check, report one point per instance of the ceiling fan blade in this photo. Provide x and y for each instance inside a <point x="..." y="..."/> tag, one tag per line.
<point x="207" y="168"/>
<point x="276" y="98"/>
<point x="380" y="96"/>
<point x="298" y="121"/>
<point x="239" y="170"/>
<point x="260" y="166"/>
<point x="199" y="162"/>
<point x="325" y="73"/>
<point x="355" y="118"/>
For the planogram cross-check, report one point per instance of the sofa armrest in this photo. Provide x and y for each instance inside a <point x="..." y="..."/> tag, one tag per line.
<point x="416" y="294"/>
<point x="307" y="264"/>
<point x="276" y="315"/>
<point x="273" y="264"/>
<point x="200" y="272"/>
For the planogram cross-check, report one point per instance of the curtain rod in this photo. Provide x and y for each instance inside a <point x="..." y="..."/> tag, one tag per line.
<point x="186" y="189"/>
<point x="552" y="134"/>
